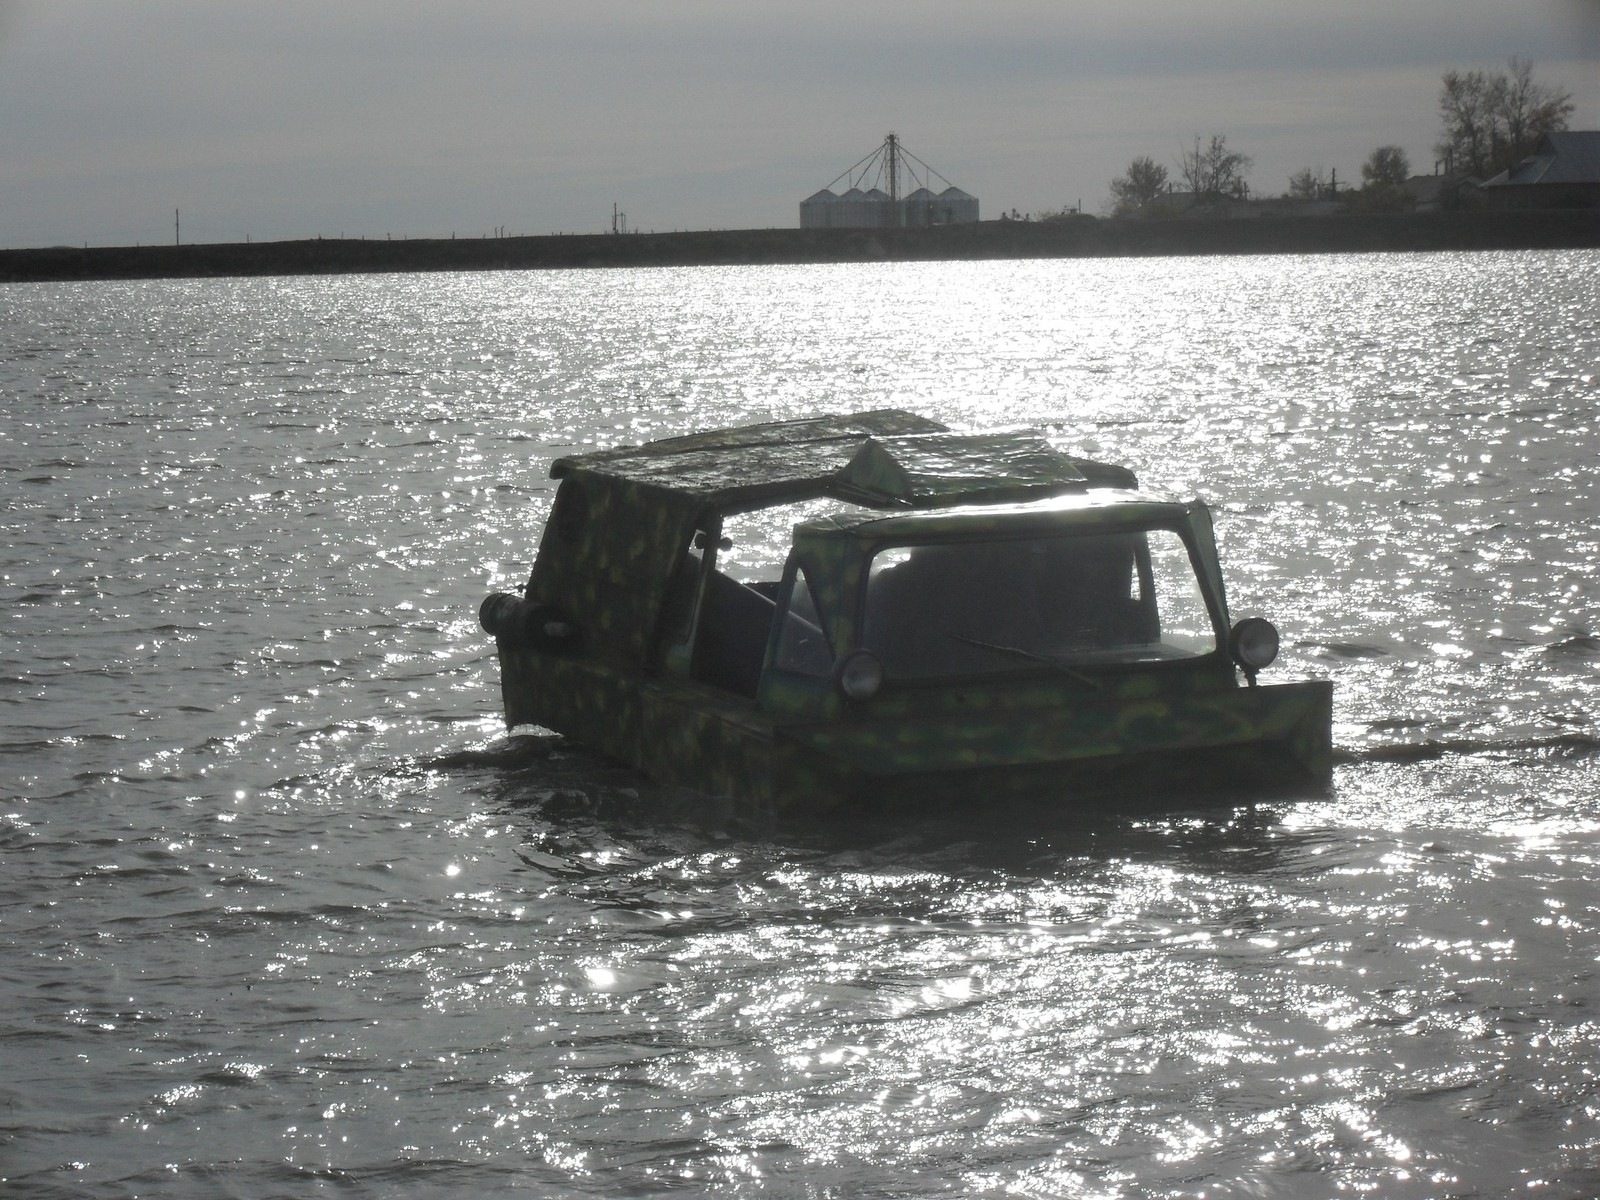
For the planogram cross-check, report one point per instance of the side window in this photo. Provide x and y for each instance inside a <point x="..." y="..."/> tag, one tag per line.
<point x="1185" y="622"/>
<point x="802" y="646"/>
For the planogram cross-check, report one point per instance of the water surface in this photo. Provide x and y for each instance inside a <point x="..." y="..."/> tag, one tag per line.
<point x="284" y="911"/>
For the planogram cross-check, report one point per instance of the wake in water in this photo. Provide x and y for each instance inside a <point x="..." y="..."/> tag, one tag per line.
<point x="1574" y="745"/>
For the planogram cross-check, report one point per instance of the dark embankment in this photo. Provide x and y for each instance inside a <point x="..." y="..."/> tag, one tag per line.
<point x="1073" y="237"/>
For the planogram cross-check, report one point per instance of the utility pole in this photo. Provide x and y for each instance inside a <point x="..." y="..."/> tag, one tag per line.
<point x="176" y="240"/>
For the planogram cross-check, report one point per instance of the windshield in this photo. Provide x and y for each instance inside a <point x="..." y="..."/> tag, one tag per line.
<point x="1028" y="604"/>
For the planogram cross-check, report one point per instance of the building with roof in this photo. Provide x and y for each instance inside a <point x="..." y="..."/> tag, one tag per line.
<point x="883" y="205"/>
<point x="1562" y="172"/>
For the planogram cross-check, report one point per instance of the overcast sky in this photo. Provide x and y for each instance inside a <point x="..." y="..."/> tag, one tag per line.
<point x="297" y="118"/>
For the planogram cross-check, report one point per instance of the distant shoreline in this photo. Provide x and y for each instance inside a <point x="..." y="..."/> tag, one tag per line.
<point x="1072" y="237"/>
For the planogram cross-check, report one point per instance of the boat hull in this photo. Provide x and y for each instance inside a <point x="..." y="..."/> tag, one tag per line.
<point x="683" y="733"/>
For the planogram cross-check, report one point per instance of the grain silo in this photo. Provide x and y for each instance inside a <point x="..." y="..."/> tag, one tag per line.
<point x="884" y="204"/>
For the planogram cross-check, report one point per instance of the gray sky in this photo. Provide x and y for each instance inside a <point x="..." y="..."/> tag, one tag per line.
<point x="297" y="118"/>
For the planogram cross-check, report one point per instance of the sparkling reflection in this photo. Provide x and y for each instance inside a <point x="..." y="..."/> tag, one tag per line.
<point x="290" y="913"/>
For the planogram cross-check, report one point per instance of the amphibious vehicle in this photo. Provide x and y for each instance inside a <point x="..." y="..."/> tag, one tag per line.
<point x="911" y="615"/>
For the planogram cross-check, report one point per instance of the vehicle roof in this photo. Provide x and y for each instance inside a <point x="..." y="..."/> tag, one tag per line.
<point x="1101" y="509"/>
<point x="886" y="458"/>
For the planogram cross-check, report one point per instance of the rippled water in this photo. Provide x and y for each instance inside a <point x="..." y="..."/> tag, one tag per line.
<point x="283" y="911"/>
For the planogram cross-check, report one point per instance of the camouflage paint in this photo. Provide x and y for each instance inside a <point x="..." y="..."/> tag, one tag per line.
<point x="1024" y="738"/>
<point x="607" y="558"/>
<point x="619" y="535"/>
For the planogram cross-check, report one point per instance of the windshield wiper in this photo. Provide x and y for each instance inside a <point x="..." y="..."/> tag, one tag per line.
<point x="1031" y="656"/>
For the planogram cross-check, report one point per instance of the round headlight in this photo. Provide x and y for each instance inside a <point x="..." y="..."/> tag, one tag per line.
<point x="515" y="622"/>
<point x="858" y="676"/>
<point x="1254" y="643"/>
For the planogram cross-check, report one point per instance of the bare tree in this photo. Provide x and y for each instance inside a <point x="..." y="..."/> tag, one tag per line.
<point x="1466" y="109"/>
<point x="1528" y="111"/>
<point x="1145" y="180"/>
<point x="1385" y="166"/>
<point x="1308" y="183"/>
<point x="1214" y="170"/>
<point x="1492" y="120"/>
<point x="1383" y="178"/>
